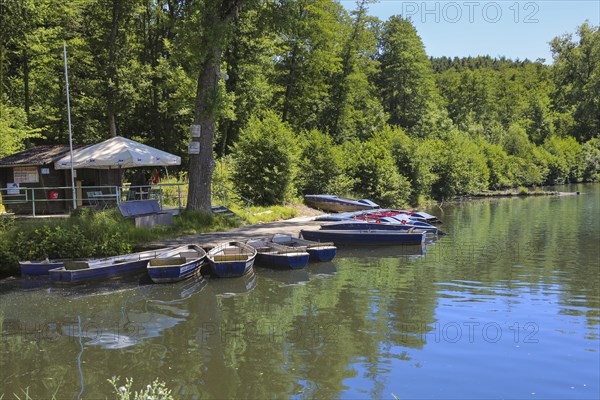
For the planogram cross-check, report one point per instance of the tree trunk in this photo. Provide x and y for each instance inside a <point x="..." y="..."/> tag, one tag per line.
<point x="202" y="165"/>
<point x="112" y="71"/>
<point x="27" y="93"/>
<point x="26" y="83"/>
<point x="291" y="82"/>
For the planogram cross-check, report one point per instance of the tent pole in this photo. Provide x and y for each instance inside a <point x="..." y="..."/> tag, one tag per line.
<point x="70" y="134"/>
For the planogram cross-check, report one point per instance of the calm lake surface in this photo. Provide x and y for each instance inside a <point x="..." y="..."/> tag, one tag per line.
<point x="507" y="305"/>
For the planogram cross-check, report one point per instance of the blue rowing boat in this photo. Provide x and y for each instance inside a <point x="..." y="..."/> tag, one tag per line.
<point x="365" y="237"/>
<point x="317" y="251"/>
<point x="39" y="268"/>
<point x="81" y="271"/>
<point x="177" y="264"/>
<point x="278" y="256"/>
<point x="383" y="224"/>
<point x="231" y="259"/>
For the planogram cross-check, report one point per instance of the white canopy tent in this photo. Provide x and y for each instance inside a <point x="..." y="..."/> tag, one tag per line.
<point x="117" y="152"/>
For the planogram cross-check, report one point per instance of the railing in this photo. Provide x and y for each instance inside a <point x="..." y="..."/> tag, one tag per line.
<point x="33" y="200"/>
<point x="57" y="199"/>
<point x="229" y="195"/>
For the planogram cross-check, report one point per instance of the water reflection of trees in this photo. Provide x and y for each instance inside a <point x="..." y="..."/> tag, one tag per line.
<point x="268" y="336"/>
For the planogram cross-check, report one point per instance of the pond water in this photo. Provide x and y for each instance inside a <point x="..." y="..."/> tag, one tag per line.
<point x="507" y="305"/>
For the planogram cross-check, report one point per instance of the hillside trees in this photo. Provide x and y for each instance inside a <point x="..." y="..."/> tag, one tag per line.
<point x="369" y="113"/>
<point x="406" y="81"/>
<point x="577" y="76"/>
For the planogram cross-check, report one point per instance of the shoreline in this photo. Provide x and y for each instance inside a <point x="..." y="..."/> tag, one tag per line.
<point x="210" y="239"/>
<point x="511" y="193"/>
<point x="295" y="225"/>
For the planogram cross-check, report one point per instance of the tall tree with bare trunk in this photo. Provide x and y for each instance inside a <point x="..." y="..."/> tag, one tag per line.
<point x="215" y="18"/>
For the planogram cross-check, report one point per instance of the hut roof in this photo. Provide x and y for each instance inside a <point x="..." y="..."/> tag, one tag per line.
<point x="38" y="155"/>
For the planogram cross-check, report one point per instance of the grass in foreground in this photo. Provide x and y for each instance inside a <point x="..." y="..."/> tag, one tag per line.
<point x="155" y="391"/>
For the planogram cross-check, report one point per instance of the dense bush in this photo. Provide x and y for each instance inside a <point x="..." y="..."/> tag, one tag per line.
<point x="265" y="160"/>
<point x="319" y="164"/>
<point x="372" y="165"/>
<point x="499" y="165"/>
<point x="460" y="165"/>
<point x="591" y="160"/>
<point x="414" y="159"/>
<point x="566" y="163"/>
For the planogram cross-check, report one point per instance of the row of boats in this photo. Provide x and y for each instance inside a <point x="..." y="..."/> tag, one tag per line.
<point x="236" y="258"/>
<point x="228" y="259"/>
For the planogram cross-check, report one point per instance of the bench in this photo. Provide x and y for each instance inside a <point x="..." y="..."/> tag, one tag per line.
<point x="145" y="213"/>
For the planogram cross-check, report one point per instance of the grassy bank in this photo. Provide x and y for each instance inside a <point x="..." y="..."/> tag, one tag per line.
<point x="90" y="233"/>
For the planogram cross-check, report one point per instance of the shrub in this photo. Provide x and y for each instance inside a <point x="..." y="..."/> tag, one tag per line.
<point x="591" y="160"/>
<point x="567" y="163"/>
<point x="52" y="242"/>
<point x="157" y="390"/>
<point x="319" y="165"/>
<point x="264" y="160"/>
<point x="460" y="165"/>
<point x="498" y="162"/>
<point x="372" y="165"/>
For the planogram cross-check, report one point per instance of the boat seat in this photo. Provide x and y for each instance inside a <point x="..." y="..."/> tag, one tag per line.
<point x="231" y="257"/>
<point x="189" y="254"/>
<point x="233" y="250"/>
<point x="75" y="265"/>
<point x="160" y="262"/>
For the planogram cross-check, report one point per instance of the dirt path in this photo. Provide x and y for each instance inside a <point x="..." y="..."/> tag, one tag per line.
<point x="208" y="240"/>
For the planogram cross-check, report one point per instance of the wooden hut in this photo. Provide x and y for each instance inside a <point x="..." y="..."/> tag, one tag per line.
<point x="31" y="175"/>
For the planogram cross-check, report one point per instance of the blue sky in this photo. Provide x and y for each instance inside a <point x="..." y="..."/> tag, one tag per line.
<point x="514" y="29"/>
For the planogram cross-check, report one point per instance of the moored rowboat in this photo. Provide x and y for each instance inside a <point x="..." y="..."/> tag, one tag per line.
<point x="231" y="259"/>
<point x="177" y="264"/>
<point x="39" y="268"/>
<point x="365" y="237"/>
<point x="81" y="271"/>
<point x="275" y="255"/>
<point x="337" y="204"/>
<point x="317" y="251"/>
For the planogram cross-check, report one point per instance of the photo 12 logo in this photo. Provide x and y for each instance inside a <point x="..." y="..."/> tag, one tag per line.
<point x="471" y="11"/>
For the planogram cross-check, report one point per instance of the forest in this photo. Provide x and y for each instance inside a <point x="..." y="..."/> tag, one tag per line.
<point x="310" y="97"/>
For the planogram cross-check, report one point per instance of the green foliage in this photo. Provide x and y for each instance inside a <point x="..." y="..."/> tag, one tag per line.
<point x="354" y="111"/>
<point x="372" y="164"/>
<point x="591" y="160"/>
<point x="413" y="159"/>
<point x="14" y="130"/>
<point x="7" y="222"/>
<point x="338" y="76"/>
<point x="260" y="215"/>
<point x="91" y="234"/>
<point x="194" y="222"/>
<point x="577" y="76"/>
<point x="406" y="80"/>
<point x="319" y="164"/>
<point x="566" y="163"/>
<point x="515" y="142"/>
<point x="265" y="159"/>
<point x="499" y="165"/>
<point x="461" y="166"/>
